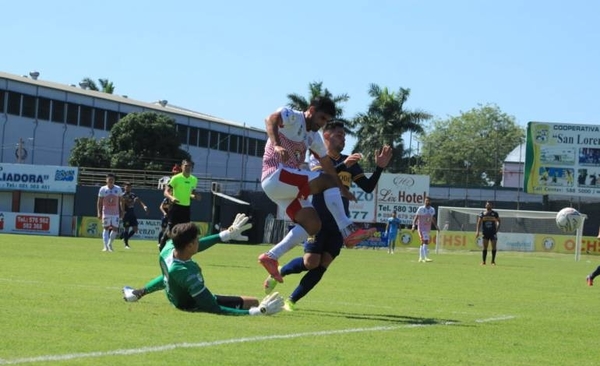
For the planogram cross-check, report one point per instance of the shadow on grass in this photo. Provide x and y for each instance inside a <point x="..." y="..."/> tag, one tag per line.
<point x="392" y="318"/>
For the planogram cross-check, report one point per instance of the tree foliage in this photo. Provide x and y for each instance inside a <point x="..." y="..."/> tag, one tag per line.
<point x="90" y="152"/>
<point x="106" y="86"/>
<point x="384" y="123"/>
<point x="143" y="141"/>
<point x="469" y="149"/>
<point x="315" y="89"/>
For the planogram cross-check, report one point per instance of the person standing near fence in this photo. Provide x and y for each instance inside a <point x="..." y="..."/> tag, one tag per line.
<point x="424" y="219"/>
<point x="128" y="201"/>
<point x="489" y="222"/>
<point x="109" y="211"/>
<point x="181" y="190"/>
<point x="391" y="231"/>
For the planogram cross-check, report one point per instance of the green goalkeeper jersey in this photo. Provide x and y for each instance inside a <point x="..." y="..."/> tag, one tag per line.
<point x="184" y="283"/>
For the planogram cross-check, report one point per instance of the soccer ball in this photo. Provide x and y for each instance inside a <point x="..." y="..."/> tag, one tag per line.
<point x="568" y="219"/>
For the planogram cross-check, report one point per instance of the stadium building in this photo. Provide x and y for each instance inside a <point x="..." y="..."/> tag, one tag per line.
<point x="40" y="120"/>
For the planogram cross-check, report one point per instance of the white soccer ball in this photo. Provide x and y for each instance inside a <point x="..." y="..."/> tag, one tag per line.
<point x="568" y="219"/>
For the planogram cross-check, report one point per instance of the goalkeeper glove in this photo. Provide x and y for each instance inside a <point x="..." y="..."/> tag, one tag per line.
<point x="234" y="232"/>
<point x="270" y="305"/>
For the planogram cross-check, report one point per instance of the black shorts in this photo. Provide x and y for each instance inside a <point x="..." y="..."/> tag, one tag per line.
<point x="164" y="222"/>
<point x="129" y="219"/>
<point x="179" y="214"/>
<point x="235" y="302"/>
<point x="329" y="240"/>
<point x="490" y="236"/>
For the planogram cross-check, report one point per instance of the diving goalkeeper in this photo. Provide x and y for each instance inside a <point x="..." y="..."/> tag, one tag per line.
<point x="182" y="277"/>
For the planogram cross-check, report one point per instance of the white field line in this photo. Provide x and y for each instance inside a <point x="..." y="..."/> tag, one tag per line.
<point x="169" y="347"/>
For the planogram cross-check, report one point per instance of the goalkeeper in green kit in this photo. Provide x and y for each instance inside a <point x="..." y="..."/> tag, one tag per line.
<point x="182" y="277"/>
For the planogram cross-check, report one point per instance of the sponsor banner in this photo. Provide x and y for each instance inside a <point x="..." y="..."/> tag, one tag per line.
<point x="91" y="227"/>
<point x="403" y="193"/>
<point x="562" y="159"/>
<point x="38" y="178"/>
<point x="363" y="210"/>
<point x="26" y="223"/>
<point x="461" y="240"/>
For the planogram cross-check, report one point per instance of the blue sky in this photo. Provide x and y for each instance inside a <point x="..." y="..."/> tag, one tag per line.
<point x="537" y="60"/>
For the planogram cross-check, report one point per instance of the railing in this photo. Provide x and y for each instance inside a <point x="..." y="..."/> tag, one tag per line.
<point x="149" y="179"/>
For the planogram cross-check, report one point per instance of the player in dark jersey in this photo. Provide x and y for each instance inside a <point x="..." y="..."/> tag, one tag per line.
<point x="489" y="222"/>
<point x="164" y="207"/>
<point x="128" y="201"/>
<point x="320" y="251"/>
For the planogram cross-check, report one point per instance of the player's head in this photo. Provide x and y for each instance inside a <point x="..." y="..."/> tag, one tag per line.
<point x="184" y="235"/>
<point x="127" y="186"/>
<point x="335" y="135"/>
<point x="489" y="205"/>
<point x="187" y="166"/>
<point x="393" y="213"/>
<point x="427" y="201"/>
<point x="320" y="111"/>
<point x="110" y="179"/>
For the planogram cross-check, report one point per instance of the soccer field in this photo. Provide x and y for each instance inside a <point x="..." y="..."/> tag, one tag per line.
<point x="61" y="304"/>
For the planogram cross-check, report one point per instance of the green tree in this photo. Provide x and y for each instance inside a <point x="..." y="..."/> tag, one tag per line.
<point x="315" y="89"/>
<point x="468" y="150"/>
<point x="90" y="152"/>
<point x="106" y="86"/>
<point x="384" y="124"/>
<point x="145" y="140"/>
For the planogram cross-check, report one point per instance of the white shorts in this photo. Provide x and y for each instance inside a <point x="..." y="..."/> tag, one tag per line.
<point x="289" y="189"/>
<point x="424" y="235"/>
<point x="111" y="221"/>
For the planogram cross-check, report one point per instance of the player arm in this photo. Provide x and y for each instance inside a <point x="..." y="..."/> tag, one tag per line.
<point x="414" y="223"/>
<point x="497" y="224"/>
<point x="168" y="193"/>
<point x="195" y="195"/>
<point x="162" y="209"/>
<point x="144" y="206"/>
<point x="368" y="184"/>
<point x="478" y="225"/>
<point x="272" y="123"/>
<point x="328" y="168"/>
<point x="99" y="205"/>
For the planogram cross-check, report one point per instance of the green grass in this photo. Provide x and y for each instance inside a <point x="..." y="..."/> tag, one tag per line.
<point x="61" y="304"/>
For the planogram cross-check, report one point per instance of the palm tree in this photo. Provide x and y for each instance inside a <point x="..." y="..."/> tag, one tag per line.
<point x="384" y="124"/>
<point x="106" y="86"/>
<point x="315" y="89"/>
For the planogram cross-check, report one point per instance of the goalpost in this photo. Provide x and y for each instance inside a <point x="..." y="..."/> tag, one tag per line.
<point x="518" y="230"/>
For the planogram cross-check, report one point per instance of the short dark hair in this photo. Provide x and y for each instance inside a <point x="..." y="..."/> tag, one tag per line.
<point x="187" y="162"/>
<point x="324" y="104"/>
<point x="127" y="183"/>
<point x="183" y="234"/>
<point x="333" y="124"/>
<point x="111" y="175"/>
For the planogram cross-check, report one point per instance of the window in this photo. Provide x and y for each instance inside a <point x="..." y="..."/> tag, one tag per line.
<point x="14" y="103"/>
<point x="2" y="97"/>
<point x="193" y="136"/>
<point x="99" y="119"/>
<point x="72" y="114"/>
<point x="214" y="140"/>
<point x="252" y="147"/>
<point x="203" y="137"/>
<point x="45" y="206"/>
<point x="85" y="116"/>
<point x="260" y="147"/>
<point x="28" y="106"/>
<point x="224" y="142"/>
<point x="234" y="144"/>
<point x="43" y="110"/>
<point x="58" y="111"/>
<point x="182" y="133"/>
<point x="112" y="118"/>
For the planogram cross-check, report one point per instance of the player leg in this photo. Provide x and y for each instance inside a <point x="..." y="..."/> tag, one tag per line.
<point x="494" y="241"/>
<point x="590" y="278"/>
<point x="133" y="222"/>
<point x="330" y="242"/>
<point x="237" y="302"/>
<point x="113" y="231"/>
<point x="105" y="232"/>
<point x="486" y="242"/>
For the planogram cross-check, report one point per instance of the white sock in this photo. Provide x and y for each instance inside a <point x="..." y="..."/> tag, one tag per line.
<point x="105" y="238"/>
<point x="425" y="251"/>
<point x="422" y="251"/>
<point x="111" y="238"/>
<point x="295" y="236"/>
<point x="333" y="200"/>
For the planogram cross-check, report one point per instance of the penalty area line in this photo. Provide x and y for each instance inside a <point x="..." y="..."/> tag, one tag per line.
<point x="169" y="347"/>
